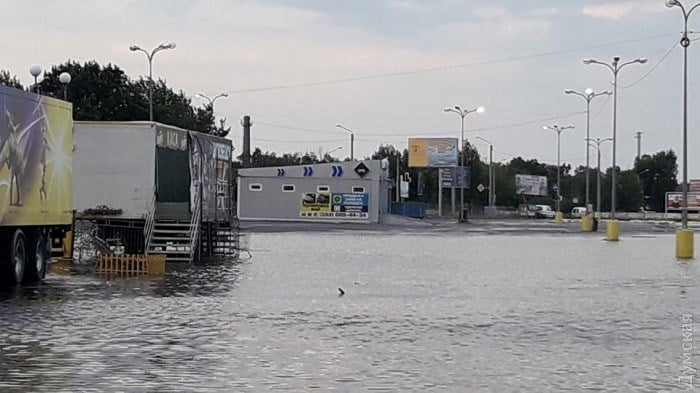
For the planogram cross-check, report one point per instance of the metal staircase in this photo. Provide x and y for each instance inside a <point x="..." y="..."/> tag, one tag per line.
<point x="178" y="240"/>
<point x="223" y="239"/>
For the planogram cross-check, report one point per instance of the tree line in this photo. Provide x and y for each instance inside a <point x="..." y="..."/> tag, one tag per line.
<point x="106" y="93"/>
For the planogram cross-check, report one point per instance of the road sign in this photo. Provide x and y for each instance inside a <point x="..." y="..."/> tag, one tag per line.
<point x="480" y="187"/>
<point x="361" y="169"/>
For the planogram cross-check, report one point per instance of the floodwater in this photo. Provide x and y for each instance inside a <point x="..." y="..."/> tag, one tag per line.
<point x="421" y="312"/>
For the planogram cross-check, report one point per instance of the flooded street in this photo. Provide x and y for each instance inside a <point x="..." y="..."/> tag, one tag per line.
<point x="421" y="312"/>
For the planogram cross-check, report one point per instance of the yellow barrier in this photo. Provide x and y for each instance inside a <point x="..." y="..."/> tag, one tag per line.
<point x="684" y="244"/>
<point x="130" y="265"/>
<point x="587" y="223"/>
<point x="612" y="230"/>
<point x="559" y="217"/>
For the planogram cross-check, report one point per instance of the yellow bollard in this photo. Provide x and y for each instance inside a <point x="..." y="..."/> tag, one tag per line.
<point x="684" y="244"/>
<point x="559" y="217"/>
<point x="612" y="230"/>
<point x="598" y="215"/>
<point x="587" y="223"/>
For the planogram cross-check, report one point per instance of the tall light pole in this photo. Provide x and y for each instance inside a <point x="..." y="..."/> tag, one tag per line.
<point x="685" y="43"/>
<point x="558" y="130"/>
<point x="352" y="140"/>
<point x="597" y="142"/>
<point x="615" y="68"/>
<point x="588" y="95"/>
<point x="491" y="179"/>
<point x="65" y="79"/>
<point x="149" y="55"/>
<point x="35" y="71"/>
<point x="211" y="101"/>
<point x="463" y="113"/>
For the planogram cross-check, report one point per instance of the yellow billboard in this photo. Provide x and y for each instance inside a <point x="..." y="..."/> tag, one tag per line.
<point x="432" y="152"/>
<point x="36" y="159"/>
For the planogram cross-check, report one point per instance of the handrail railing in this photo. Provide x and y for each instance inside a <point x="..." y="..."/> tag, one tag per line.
<point x="149" y="224"/>
<point x="194" y="226"/>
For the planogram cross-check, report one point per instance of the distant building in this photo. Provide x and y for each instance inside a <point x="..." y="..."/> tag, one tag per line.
<point x="352" y="191"/>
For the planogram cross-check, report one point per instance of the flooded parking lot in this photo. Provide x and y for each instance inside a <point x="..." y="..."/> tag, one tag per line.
<point x="423" y="311"/>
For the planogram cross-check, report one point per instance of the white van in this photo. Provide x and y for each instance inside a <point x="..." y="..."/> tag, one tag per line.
<point x="578" y="212"/>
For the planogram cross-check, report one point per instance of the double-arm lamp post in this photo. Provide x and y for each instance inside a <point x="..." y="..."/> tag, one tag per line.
<point x="558" y="130"/>
<point x="463" y="113"/>
<point x="615" y="68"/>
<point x="685" y="43"/>
<point x="588" y="95"/>
<point x="211" y="101"/>
<point x="149" y="55"/>
<point x="597" y="142"/>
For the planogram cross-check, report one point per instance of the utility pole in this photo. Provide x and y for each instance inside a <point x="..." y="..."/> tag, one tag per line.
<point x="638" y="137"/>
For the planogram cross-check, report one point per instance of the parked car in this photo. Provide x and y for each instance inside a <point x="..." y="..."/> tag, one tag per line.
<point x="578" y="212"/>
<point x="527" y="211"/>
<point x="544" y="211"/>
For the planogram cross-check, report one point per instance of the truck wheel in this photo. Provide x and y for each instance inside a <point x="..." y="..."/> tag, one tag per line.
<point x="37" y="258"/>
<point x="14" y="259"/>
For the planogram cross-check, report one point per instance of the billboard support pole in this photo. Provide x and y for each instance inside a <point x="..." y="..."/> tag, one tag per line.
<point x="398" y="180"/>
<point x="439" y="192"/>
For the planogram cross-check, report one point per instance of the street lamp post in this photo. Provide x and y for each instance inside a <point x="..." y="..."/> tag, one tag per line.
<point x="588" y="95"/>
<point x="335" y="150"/>
<point x="685" y="43"/>
<point x="35" y="71"/>
<point x="463" y="113"/>
<point x="684" y="237"/>
<point x="211" y="101"/>
<point x="149" y="55"/>
<point x="491" y="179"/>
<point x="558" y="130"/>
<point x="65" y="79"/>
<point x="352" y="140"/>
<point x="597" y="142"/>
<point x="615" y="68"/>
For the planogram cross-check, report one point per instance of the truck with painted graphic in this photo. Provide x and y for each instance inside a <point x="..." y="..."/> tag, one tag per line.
<point x="36" y="181"/>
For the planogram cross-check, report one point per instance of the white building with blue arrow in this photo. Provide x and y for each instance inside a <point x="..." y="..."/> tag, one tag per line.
<point x="351" y="191"/>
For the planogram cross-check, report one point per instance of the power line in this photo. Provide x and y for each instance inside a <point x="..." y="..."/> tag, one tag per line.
<point x="444" y="68"/>
<point x="294" y="128"/>
<point x="297" y="142"/>
<point x="661" y="60"/>
<point x="527" y="123"/>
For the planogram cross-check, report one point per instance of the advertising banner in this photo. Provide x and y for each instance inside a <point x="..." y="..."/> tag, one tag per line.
<point x="694" y="185"/>
<point x="210" y="165"/>
<point x="674" y="201"/>
<point x="334" y="206"/>
<point x="531" y="185"/>
<point x="457" y="177"/>
<point x="36" y="159"/>
<point x="432" y="152"/>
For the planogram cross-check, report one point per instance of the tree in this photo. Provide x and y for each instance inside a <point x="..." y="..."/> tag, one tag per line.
<point x="658" y="175"/>
<point x="107" y="94"/>
<point x="10" y="80"/>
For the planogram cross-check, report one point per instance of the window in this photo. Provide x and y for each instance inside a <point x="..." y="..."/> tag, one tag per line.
<point x="323" y="189"/>
<point x="255" y="187"/>
<point x="288" y="188"/>
<point x="358" y="189"/>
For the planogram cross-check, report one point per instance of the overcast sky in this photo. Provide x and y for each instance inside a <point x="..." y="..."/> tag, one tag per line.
<point x="387" y="68"/>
